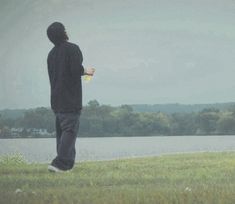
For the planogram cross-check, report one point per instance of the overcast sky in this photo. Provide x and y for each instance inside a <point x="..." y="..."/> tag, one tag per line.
<point x="149" y="51"/>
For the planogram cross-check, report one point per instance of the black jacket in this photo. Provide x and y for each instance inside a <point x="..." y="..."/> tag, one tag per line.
<point x="65" y="70"/>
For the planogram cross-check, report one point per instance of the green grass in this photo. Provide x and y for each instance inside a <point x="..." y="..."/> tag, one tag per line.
<point x="181" y="178"/>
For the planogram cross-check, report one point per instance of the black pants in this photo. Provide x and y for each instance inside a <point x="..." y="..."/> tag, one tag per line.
<point x="67" y="125"/>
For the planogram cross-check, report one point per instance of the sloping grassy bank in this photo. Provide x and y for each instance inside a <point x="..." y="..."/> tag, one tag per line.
<point x="182" y="178"/>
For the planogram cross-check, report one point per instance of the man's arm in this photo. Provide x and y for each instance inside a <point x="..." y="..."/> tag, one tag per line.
<point x="77" y="68"/>
<point x="76" y="60"/>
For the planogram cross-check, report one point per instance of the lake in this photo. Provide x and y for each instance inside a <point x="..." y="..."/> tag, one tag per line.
<point x="104" y="148"/>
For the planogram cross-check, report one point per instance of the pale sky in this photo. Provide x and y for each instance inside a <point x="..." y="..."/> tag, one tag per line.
<point x="144" y="52"/>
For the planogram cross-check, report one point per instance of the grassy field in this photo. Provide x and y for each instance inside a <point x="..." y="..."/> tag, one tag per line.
<point x="181" y="178"/>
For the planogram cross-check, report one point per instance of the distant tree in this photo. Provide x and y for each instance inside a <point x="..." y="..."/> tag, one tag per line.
<point x="226" y="125"/>
<point x="1" y="121"/>
<point x="40" y="118"/>
<point x="183" y="124"/>
<point x="5" y="132"/>
<point x="207" y="121"/>
<point x="93" y="104"/>
<point x="210" y="110"/>
<point x="24" y="133"/>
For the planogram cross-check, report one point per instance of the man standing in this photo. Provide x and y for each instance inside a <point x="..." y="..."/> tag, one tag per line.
<point x="65" y="70"/>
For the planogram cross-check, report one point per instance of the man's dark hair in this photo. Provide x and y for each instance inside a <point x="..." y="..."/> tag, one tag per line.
<point x="56" y="33"/>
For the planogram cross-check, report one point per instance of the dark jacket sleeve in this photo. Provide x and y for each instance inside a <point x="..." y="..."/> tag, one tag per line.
<point x="76" y="60"/>
<point x="49" y="69"/>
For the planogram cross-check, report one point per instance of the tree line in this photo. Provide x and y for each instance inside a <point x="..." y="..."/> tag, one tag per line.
<point x="106" y="121"/>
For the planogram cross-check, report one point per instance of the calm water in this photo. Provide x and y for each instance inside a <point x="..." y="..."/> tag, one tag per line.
<point x="43" y="150"/>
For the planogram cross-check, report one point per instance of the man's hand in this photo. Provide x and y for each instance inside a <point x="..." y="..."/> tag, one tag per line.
<point x="89" y="71"/>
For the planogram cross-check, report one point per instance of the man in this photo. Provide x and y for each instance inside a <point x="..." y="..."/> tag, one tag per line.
<point x="65" y="70"/>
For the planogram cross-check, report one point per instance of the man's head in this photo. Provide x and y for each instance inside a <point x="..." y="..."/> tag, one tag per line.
<point x="56" y="33"/>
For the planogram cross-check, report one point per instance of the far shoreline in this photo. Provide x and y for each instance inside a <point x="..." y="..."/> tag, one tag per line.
<point x="125" y="136"/>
